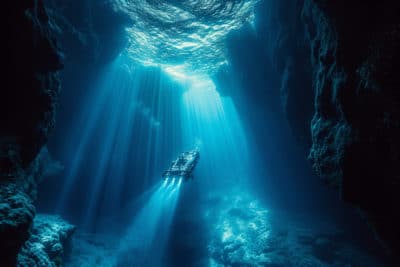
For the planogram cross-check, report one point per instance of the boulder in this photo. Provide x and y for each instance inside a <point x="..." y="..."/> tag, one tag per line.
<point x="46" y="244"/>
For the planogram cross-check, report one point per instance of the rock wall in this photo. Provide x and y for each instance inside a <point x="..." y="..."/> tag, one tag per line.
<point x="28" y="101"/>
<point x="336" y="62"/>
<point x="273" y="59"/>
<point x="355" y="128"/>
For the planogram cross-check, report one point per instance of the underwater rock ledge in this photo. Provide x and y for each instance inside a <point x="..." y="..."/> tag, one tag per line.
<point x="45" y="247"/>
<point x="28" y="101"/>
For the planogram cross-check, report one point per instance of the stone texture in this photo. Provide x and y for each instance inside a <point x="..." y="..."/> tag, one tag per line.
<point x="355" y="127"/>
<point x="352" y="84"/>
<point x="16" y="214"/>
<point x="17" y="194"/>
<point x="45" y="246"/>
<point x="31" y="87"/>
<point x="28" y="100"/>
<point x="244" y="233"/>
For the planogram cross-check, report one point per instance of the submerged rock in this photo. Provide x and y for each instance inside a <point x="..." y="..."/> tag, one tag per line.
<point x="356" y="125"/>
<point x="28" y="101"/>
<point x="342" y="57"/>
<point x="29" y="96"/>
<point x="17" y="194"/>
<point x="16" y="214"/>
<point x="46" y="245"/>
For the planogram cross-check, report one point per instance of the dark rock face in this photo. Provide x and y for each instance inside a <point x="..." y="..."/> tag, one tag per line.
<point x="31" y="87"/>
<point x="274" y="61"/>
<point x="354" y="87"/>
<point x="45" y="247"/>
<point x="27" y="105"/>
<point x="356" y="125"/>
<point x="291" y="57"/>
<point x="90" y="32"/>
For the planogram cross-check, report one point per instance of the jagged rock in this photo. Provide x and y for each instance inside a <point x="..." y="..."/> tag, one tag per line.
<point x="16" y="214"/>
<point x="28" y="100"/>
<point x="45" y="247"/>
<point x="17" y="211"/>
<point x="336" y="62"/>
<point x="29" y="96"/>
<point x="356" y="124"/>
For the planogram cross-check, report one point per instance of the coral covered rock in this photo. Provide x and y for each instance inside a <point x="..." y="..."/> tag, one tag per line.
<point x="45" y="247"/>
<point x="16" y="214"/>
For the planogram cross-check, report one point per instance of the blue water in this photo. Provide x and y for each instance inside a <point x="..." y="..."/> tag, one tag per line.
<point x="253" y="200"/>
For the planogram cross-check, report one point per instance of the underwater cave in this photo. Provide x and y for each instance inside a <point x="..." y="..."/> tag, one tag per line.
<point x="200" y="133"/>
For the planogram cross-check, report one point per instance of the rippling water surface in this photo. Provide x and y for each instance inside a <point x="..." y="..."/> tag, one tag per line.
<point x="183" y="36"/>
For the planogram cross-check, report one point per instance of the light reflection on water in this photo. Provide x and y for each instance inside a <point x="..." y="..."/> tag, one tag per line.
<point x="188" y="36"/>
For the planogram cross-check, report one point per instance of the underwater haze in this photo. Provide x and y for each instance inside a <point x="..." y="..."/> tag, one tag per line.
<point x="145" y="81"/>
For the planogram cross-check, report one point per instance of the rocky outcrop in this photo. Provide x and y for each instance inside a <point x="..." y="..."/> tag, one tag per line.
<point x="45" y="246"/>
<point x="16" y="215"/>
<point x="350" y="78"/>
<point x="356" y="125"/>
<point x="28" y="100"/>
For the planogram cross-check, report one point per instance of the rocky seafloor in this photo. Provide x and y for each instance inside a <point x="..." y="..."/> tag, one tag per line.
<point x="344" y="102"/>
<point x="46" y="245"/>
<point x="245" y="233"/>
<point x="240" y="232"/>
